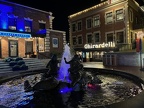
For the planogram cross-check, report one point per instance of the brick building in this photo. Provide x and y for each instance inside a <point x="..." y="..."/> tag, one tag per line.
<point x="110" y="26"/>
<point x="25" y="30"/>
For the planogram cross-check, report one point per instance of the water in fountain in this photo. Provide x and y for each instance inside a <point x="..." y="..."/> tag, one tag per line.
<point x="63" y="74"/>
<point x="113" y="89"/>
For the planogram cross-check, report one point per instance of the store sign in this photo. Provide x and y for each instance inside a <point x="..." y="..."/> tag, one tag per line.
<point x="103" y="45"/>
<point x="140" y="34"/>
<point x="16" y="35"/>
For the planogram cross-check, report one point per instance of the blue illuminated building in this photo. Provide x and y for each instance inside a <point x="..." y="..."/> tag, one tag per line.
<point x="27" y="31"/>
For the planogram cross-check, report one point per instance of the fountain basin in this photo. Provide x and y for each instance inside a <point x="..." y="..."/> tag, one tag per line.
<point x="119" y="89"/>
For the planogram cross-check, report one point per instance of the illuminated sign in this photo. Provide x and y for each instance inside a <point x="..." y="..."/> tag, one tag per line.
<point x="140" y="34"/>
<point x="103" y="45"/>
<point x="16" y="35"/>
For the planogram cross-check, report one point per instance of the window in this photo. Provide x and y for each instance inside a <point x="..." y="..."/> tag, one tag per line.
<point x="96" y="21"/>
<point x="89" y="23"/>
<point x="109" y="18"/>
<point x="79" y="39"/>
<point x="89" y="38"/>
<point x="79" y="24"/>
<point x="97" y="37"/>
<point x="42" y="26"/>
<point x="12" y="21"/>
<point x="28" y="26"/>
<point x="74" y="41"/>
<point x="73" y="27"/>
<point x="119" y="15"/>
<point x="131" y="15"/>
<point x="110" y="37"/>
<point x="29" y="46"/>
<point x="120" y="37"/>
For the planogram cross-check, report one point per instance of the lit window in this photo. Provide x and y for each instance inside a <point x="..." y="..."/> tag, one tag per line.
<point x="96" y="21"/>
<point x="28" y="26"/>
<point x="12" y="27"/>
<point x="109" y="18"/>
<point x="12" y="21"/>
<point x="131" y="15"/>
<point x="119" y="15"/>
<point x="27" y="29"/>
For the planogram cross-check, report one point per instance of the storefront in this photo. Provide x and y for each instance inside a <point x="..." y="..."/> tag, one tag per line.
<point x="14" y="44"/>
<point x="95" y="52"/>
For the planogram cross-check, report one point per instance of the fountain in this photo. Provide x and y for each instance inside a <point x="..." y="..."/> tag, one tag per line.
<point x="63" y="71"/>
<point x="96" y="88"/>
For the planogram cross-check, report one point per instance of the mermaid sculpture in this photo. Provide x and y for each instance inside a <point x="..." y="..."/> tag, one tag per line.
<point x="75" y="69"/>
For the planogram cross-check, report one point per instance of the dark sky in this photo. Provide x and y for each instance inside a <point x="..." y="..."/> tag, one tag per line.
<point x="61" y="9"/>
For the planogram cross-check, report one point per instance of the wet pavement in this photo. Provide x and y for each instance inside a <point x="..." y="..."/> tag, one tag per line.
<point x="135" y="70"/>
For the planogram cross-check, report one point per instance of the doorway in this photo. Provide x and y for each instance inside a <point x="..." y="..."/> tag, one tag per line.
<point x="13" y="48"/>
<point x="29" y="48"/>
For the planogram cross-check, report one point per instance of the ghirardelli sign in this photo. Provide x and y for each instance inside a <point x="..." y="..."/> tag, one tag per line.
<point x="103" y="45"/>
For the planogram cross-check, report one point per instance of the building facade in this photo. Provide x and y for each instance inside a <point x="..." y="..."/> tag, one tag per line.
<point x="26" y="31"/>
<point x="111" y="26"/>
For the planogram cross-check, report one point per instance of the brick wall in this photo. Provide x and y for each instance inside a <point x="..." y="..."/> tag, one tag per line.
<point x="21" y="47"/>
<point x="4" y="47"/>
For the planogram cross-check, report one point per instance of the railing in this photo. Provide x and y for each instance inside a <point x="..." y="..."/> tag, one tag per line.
<point x="126" y="47"/>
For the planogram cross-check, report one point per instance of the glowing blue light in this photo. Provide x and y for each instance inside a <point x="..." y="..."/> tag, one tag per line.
<point x="42" y="31"/>
<point x="16" y="35"/>
<point x="65" y="90"/>
<point x="63" y="71"/>
<point x="3" y="16"/>
<point x="21" y="30"/>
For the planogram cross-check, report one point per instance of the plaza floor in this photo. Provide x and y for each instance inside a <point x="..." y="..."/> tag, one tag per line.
<point x="135" y="70"/>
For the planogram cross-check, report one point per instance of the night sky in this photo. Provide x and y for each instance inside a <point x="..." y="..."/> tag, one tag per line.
<point x="61" y="9"/>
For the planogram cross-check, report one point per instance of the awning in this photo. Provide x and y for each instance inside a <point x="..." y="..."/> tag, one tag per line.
<point x="96" y="49"/>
